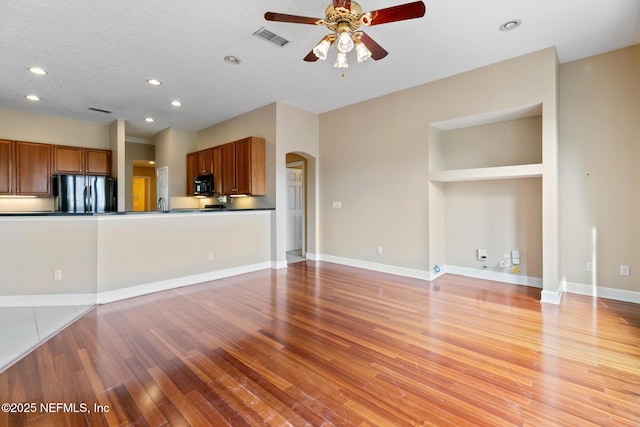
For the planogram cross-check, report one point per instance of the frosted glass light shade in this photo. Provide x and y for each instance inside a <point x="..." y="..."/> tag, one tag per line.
<point x="362" y="52"/>
<point x="341" y="60"/>
<point x="344" y="44"/>
<point x="322" y="49"/>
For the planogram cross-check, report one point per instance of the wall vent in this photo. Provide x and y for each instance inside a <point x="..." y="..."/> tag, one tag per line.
<point x="270" y="36"/>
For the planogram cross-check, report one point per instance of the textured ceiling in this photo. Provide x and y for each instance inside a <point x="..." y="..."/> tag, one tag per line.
<point x="100" y="54"/>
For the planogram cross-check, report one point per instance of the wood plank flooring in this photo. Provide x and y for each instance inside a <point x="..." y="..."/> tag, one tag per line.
<point x="320" y="344"/>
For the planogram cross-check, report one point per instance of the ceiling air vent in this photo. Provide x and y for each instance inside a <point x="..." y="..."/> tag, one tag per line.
<point x="269" y="36"/>
<point x="99" y="110"/>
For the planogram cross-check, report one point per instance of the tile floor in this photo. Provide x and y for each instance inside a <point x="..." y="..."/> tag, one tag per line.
<point x="295" y="256"/>
<point x="23" y="328"/>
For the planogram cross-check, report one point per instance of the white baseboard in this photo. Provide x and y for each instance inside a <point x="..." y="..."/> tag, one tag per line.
<point x="551" y="297"/>
<point x="277" y="265"/>
<point x="493" y="274"/>
<point x="602" y="292"/>
<point x="148" y="288"/>
<point x="383" y="268"/>
<point x="47" y="300"/>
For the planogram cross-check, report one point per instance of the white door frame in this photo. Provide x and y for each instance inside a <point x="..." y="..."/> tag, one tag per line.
<point x="300" y="165"/>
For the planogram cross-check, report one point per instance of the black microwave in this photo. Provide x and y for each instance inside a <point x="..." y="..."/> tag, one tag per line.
<point x="203" y="185"/>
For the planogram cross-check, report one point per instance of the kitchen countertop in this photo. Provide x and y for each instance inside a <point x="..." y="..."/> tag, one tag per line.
<point x="172" y="211"/>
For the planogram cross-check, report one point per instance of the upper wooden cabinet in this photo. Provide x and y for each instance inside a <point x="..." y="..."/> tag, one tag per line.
<point x="33" y="169"/>
<point x="29" y="167"/>
<point x="238" y="167"/>
<point x="7" y="177"/>
<point x="204" y="162"/>
<point x="243" y="167"/>
<point x="98" y="162"/>
<point x="192" y="172"/>
<point x="81" y="161"/>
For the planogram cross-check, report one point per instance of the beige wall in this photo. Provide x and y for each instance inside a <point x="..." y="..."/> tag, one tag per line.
<point x="172" y="147"/>
<point x="261" y="123"/>
<point x="24" y="126"/>
<point x="599" y="169"/>
<point x="286" y="129"/>
<point x="375" y="161"/>
<point x="141" y="249"/>
<point x="33" y="248"/>
<point x="499" y="216"/>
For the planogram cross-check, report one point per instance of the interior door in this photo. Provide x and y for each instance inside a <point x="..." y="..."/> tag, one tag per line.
<point x="139" y="194"/>
<point x="162" y="185"/>
<point x="295" y="211"/>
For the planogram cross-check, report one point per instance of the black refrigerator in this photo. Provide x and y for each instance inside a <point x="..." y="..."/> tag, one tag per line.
<point x="84" y="193"/>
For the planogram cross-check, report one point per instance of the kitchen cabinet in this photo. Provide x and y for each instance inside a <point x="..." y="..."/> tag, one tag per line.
<point x="6" y="170"/>
<point x="203" y="162"/>
<point x="217" y="170"/>
<point x="81" y="161"/>
<point x="32" y="169"/>
<point x="243" y="167"/>
<point x="192" y="171"/>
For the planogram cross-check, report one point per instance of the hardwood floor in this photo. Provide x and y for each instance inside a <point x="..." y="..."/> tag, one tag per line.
<point x="321" y="344"/>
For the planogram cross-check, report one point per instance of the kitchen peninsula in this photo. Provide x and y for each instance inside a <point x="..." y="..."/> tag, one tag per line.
<point x="66" y="259"/>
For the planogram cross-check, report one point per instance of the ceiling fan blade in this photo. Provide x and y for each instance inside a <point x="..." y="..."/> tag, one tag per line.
<point x="342" y="3"/>
<point x="311" y="57"/>
<point x="377" y="51"/>
<point x="294" y="19"/>
<point x="395" y="13"/>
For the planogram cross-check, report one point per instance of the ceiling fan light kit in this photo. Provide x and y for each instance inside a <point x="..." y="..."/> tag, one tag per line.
<point x="343" y="18"/>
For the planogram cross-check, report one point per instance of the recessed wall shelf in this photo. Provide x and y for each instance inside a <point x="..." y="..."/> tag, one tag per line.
<point x="478" y="174"/>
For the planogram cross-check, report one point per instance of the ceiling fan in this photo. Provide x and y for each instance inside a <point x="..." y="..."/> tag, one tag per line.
<point x="343" y="18"/>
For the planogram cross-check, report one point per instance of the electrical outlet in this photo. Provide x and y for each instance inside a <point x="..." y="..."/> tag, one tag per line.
<point x="336" y="205"/>
<point x="379" y="250"/>
<point x="57" y="275"/>
<point x="591" y="267"/>
<point x="210" y="256"/>
<point x="624" y="270"/>
<point x="482" y="254"/>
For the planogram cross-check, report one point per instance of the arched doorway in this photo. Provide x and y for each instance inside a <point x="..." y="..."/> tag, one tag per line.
<point x="300" y="216"/>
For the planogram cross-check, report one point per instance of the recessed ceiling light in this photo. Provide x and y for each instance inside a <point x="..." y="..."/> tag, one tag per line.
<point x="149" y="119"/>
<point x="176" y="103"/>
<point x="37" y="70"/>
<point x="154" y="82"/>
<point x="151" y="162"/>
<point x="32" y="97"/>
<point x="510" y="25"/>
<point x="234" y="60"/>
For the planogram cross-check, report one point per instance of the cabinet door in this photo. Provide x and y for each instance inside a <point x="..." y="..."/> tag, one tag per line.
<point x="33" y="169"/>
<point x="98" y="162"/>
<point x="243" y="166"/>
<point x="68" y="160"/>
<point x="192" y="171"/>
<point x="227" y="160"/>
<point x="205" y="161"/>
<point x="217" y="170"/>
<point x="6" y="167"/>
